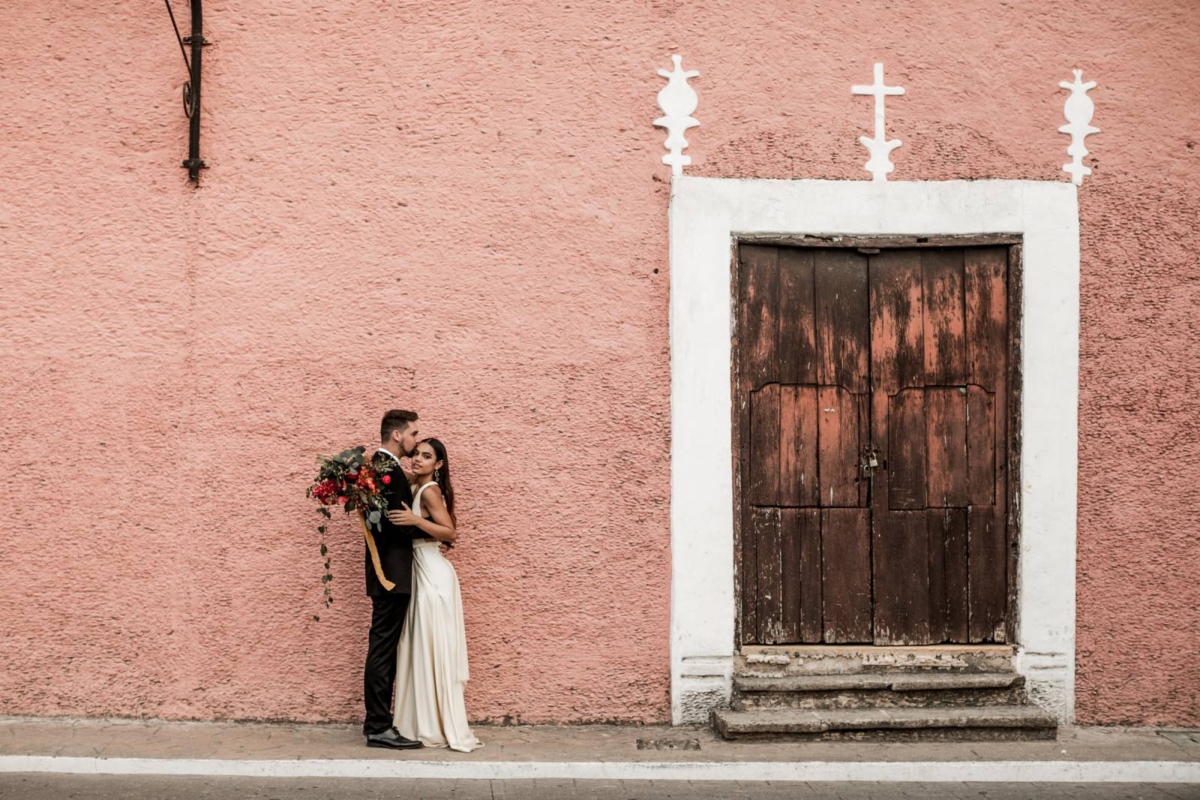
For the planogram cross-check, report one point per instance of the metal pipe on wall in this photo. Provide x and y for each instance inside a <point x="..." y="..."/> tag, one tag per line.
<point x="194" y="163"/>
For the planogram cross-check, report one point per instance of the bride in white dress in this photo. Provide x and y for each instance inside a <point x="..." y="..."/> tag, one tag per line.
<point x="432" y="656"/>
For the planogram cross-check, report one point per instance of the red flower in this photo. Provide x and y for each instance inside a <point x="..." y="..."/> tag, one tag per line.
<point x="325" y="491"/>
<point x="343" y="499"/>
<point x="387" y="480"/>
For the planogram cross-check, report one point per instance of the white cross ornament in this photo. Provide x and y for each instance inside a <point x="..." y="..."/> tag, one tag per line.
<point x="879" y="148"/>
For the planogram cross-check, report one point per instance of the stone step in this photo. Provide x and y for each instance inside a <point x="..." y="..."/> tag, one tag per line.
<point x="881" y="690"/>
<point x="992" y="723"/>
<point x="781" y="660"/>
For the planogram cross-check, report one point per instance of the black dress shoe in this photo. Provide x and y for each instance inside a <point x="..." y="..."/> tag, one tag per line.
<point x="392" y="740"/>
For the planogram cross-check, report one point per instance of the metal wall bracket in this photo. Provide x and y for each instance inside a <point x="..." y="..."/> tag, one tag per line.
<point x="191" y="89"/>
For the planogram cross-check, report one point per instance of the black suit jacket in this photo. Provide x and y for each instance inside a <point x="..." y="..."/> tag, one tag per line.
<point x="393" y="542"/>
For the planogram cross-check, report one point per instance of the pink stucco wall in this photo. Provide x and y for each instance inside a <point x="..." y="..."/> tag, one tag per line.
<point x="459" y="208"/>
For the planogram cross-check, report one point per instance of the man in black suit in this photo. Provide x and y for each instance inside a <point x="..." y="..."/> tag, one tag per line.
<point x="389" y="581"/>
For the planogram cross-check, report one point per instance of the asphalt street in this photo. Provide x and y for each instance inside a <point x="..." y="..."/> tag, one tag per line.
<point x="95" y="787"/>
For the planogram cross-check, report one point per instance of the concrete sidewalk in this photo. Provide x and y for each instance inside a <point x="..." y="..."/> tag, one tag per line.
<point x="134" y="747"/>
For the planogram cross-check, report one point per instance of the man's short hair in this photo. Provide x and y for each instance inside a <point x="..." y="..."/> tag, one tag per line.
<point x="395" y="420"/>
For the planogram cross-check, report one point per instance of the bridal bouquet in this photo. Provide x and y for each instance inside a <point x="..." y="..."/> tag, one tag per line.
<point x="349" y="481"/>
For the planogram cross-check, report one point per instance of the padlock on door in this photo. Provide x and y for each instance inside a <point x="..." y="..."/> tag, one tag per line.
<point x="868" y="462"/>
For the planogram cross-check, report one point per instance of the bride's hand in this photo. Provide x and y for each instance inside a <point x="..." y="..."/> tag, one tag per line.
<point x="403" y="517"/>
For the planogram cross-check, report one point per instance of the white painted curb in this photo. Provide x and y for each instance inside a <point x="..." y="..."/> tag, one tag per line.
<point x="826" y="771"/>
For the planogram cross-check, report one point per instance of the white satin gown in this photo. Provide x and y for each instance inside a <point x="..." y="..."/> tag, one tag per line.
<point x="432" y="656"/>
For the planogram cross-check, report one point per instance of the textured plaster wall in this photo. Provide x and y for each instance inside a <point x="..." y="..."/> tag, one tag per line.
<point x="458" y="207"/>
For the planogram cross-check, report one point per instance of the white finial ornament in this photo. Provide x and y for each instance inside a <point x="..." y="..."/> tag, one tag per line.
<point x="879" y="148"/>
<point x="677" y="100"/>
<point x="1078" y="111"/>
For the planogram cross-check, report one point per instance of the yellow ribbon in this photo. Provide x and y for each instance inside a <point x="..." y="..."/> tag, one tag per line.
<point x="388" y="585"/>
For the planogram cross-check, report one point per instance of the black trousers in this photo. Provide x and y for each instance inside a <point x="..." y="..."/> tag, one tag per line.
<point x="379" y="677"/>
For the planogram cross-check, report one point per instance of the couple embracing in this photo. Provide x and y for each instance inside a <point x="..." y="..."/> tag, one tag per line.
<point x="418" y="646"/>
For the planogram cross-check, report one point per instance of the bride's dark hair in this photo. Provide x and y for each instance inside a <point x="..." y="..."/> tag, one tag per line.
<point x="442" y="475"/>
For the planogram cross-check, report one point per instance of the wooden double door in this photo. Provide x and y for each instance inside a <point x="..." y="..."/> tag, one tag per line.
<point x="872" y="412"/>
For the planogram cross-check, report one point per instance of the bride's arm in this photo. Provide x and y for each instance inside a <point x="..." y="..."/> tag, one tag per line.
<point x="440" y="527"/>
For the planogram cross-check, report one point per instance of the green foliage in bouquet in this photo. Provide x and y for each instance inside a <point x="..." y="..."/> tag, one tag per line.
<point x="349" y="481"/>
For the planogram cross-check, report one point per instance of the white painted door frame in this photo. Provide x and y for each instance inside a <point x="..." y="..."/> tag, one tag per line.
<point x="706" y="217"/>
